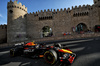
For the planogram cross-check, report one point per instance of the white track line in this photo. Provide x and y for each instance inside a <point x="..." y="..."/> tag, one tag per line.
<point x="4" y="52"/>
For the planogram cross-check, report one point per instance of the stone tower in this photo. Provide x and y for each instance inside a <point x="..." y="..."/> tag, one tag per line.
<point x="97" y="5"/>
<point x="16" y="21"/>
<point x="97" y="2"/>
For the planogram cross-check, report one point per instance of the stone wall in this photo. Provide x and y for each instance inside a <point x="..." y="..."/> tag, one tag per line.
<point x="3" y="33"/>
<point x="23" y="26"/>
<point x="62" y="21"/>
<point x="16" y="30"/>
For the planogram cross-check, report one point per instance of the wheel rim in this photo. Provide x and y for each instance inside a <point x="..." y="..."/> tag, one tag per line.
<point x="49" y="58"/>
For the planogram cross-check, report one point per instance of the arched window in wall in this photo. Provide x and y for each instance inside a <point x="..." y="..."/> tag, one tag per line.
<point x="81" y="27"/>
<point x="47" y="31"/>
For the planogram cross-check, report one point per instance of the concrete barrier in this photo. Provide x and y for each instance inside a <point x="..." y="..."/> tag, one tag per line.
<point x="66" y="37"/>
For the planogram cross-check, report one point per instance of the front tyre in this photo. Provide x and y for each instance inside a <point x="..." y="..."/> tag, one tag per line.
<point x="50" y="57"/>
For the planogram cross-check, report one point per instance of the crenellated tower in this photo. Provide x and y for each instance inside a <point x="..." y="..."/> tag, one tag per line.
<point x="16" y="21"/>
<point x="97" y="3"/>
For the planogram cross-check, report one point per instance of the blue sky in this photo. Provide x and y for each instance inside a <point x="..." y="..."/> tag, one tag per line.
<point x="35" y="5"/>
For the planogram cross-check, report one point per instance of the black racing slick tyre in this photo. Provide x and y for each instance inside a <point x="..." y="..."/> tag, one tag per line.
<point x="12" y="53"/>
<point x="15" y="52"/>
<point x="50" y="57"/>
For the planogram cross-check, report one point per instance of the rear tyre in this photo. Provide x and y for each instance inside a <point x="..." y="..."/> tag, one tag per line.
<point x="16" y="52"/>
<point x="12" y="53"/>
<point x="50" y="57"/>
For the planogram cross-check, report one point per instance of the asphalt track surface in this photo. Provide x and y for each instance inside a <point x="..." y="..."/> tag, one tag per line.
<point x="88" y="54"/>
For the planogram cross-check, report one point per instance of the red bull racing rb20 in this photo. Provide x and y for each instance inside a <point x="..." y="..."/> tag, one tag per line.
<point x="51" y="54"/>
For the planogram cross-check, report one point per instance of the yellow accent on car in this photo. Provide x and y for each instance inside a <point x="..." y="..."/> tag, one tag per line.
<point x="33" y="44"/>
<point x="67" y="51"/>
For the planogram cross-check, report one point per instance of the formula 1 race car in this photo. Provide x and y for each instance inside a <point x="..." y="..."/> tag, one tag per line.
<point x="51" y="54"/>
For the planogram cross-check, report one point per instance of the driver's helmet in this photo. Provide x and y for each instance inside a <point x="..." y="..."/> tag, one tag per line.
<point x="33" y="41"/>
<point x="57" y="45"/>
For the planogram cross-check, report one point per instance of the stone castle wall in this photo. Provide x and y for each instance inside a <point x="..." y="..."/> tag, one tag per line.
<point x="3" y="33"/>
<point x="23" y="26"/>
<point x="63" y="20"/>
